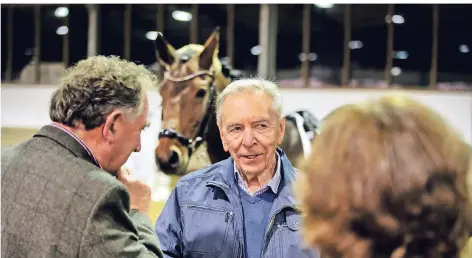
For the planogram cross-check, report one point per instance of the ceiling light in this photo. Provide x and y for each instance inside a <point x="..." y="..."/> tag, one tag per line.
<point x="182" y="16"/>
<point x="151" y="35"/>
<point x="61" y="12"/>
<point x="256" y="50"/>
<point x="324" y="5"/>
<point x="401" y="55"/>
<point x="63" y="30"/>
<point x="396" y="71"/>
<point x="355" y="44"/>
<point x="398" y="19"/>
<point x="464" y="48"/>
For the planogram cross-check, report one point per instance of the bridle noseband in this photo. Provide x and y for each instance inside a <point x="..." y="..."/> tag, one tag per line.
<point x="192" y="143"/>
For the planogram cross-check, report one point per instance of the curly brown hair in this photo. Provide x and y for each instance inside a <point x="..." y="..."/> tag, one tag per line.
<point x="386" y="178"/>
<point x="94" y="87"/>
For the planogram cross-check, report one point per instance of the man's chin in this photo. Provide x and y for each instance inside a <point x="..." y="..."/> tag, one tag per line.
<point x="251" y="170"/>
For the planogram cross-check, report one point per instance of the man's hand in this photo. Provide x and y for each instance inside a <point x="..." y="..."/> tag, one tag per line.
<point x="140" y="193"/>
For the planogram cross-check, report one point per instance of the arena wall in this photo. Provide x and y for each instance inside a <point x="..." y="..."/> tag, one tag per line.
<point x="26" y="106"/>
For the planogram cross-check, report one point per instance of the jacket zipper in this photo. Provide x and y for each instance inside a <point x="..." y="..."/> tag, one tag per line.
<point x="272" y="219"/>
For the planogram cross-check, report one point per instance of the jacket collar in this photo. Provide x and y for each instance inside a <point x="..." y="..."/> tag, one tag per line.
<point x="67" y="141"/>
<point x="285" y="197"/>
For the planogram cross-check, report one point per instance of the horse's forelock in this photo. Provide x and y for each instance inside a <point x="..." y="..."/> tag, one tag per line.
<point x="195" y="49"/>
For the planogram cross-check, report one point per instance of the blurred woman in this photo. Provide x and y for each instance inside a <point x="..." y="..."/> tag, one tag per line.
<point x="386" y="178"/>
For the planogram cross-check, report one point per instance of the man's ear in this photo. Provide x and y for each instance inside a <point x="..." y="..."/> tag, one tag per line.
<point x="282" y="130"/>
<point x="111" y="125"/>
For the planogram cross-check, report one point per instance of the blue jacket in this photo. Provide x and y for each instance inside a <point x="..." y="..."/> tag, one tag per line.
<point x="203" y="217"/>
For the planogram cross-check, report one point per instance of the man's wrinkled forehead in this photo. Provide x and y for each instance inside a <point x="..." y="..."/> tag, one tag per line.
<point x="247" y="106"/>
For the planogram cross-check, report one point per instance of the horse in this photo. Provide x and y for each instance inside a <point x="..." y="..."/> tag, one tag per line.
<point x="193" y="78"/>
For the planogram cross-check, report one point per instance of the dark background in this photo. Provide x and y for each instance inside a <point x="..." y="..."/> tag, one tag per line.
<point x="368" y="26"/>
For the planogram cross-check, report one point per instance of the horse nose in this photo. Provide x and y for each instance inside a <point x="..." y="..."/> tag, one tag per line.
<point x="171" y="161"/>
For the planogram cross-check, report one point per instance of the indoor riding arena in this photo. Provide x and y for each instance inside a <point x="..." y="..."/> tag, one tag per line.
<point x="322" y="56"/>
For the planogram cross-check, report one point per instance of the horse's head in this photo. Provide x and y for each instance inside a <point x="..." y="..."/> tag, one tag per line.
<point x="189" y="87"/>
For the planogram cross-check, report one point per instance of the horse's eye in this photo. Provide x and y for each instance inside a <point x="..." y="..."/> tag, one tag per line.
<point x="200" y="94"/>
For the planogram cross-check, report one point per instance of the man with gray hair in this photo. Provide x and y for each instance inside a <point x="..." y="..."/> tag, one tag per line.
<point x="64" y="193"/>
<point x="242" y="206"/>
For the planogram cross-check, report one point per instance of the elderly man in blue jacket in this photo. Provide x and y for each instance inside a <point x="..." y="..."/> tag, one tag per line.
<point x="242" y="206"/>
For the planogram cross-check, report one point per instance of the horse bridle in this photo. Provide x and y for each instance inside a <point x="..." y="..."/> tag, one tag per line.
<point x="193" y="143"/>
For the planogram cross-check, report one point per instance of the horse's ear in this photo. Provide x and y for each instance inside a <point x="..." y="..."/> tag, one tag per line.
<point x="164" y="50"/>
<point x="211" y="45"/>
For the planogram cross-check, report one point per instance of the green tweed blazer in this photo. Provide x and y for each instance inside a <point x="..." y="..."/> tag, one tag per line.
<point x="56" y="202"/>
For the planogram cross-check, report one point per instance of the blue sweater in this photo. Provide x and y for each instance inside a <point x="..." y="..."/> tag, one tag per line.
<point x="256" y="220"/>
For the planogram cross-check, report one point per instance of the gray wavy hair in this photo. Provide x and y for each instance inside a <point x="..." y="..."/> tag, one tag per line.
<point x="268" y="87"/>
<point x="96" y="86"/>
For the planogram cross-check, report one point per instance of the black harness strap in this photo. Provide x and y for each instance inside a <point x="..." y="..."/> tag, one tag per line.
<point x="193" y="143"/>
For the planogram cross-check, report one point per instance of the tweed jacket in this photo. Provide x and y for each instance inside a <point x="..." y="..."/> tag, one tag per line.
<point x="57" y="202"/>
